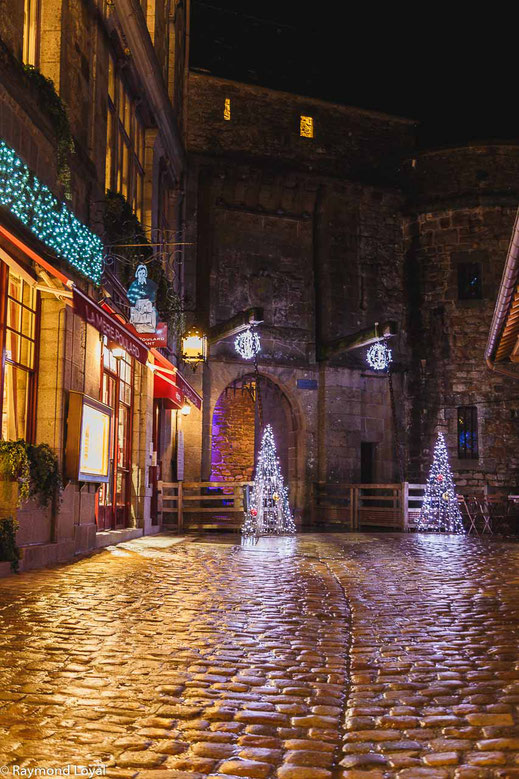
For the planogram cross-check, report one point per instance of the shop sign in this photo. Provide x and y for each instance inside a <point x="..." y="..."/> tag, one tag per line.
<point x="108" y="325"/>
<point x="188" y="391"/>
<point x="157" y="339"/>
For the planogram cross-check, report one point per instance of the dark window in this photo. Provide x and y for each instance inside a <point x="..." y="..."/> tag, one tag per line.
<point x="367" y="462"/>
<point x="469" y="281"/>
<point x="468" y="433"/>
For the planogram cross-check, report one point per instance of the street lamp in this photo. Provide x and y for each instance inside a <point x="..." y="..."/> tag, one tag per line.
<point x="194" y="346"/>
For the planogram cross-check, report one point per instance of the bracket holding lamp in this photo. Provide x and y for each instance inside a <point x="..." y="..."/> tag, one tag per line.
<point x="358" y="340"/>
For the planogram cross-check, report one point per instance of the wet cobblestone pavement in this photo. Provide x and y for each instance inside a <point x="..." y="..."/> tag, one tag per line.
<point x="322" y="657"/>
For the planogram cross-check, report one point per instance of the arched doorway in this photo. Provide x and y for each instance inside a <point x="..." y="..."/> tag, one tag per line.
<point x="242" y="410"/>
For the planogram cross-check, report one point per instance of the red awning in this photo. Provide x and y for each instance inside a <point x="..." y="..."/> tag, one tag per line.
<point x="34" y="256"/>
<point x="170" y="385"/>
<point x="165" y="387"/>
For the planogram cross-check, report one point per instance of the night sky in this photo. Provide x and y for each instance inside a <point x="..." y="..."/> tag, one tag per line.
<point x="440" y="67"/>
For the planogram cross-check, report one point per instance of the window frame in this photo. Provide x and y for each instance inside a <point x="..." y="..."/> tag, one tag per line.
<point x="111" y="369"/>
<point x="125" y="143"/>
<point x="470" y="427"/>
<point x="31" y="32"/>
<point x="32" y="372"/>
<point x="463" y="268"/>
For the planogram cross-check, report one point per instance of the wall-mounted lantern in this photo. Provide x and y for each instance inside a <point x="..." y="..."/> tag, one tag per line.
<point x="194" y="346"/>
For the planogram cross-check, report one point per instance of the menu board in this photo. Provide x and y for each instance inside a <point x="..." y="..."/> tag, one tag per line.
<point x="87" y="451"/>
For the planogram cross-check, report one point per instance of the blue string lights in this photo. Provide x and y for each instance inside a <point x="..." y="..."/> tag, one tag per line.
<point x="49" y="220"/>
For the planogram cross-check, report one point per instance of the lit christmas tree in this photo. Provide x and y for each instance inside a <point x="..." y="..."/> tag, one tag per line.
<point x="269" y="511"/>
<point x="440" y="511"/>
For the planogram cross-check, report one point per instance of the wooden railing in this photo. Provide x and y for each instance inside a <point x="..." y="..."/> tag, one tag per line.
<point x="359" y="506"/>
<point x="206" y="505"/>
<point x="184" y="506"/>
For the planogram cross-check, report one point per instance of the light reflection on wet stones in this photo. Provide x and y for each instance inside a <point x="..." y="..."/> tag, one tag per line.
<point x="216" y="659"/>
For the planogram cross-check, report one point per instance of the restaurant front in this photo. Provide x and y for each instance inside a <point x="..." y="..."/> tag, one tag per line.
<point x="78" y="380"/>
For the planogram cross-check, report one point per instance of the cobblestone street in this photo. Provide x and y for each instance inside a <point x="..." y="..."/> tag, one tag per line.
<point x="323" y="656"/>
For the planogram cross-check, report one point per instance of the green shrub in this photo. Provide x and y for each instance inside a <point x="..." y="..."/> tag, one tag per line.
<point x="35" y="468"/>
<point x="45" y="481"/>
<point x="14" y="462"/>
<point x="9" y="552"/>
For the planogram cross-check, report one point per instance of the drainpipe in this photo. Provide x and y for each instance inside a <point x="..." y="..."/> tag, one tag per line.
<point x="133" y="24"/>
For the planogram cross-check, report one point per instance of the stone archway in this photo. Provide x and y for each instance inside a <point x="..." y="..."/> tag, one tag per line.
<point x="238" y="418"/>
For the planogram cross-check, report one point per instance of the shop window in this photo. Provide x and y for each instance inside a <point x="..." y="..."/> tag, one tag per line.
<point x="469" y="281"/>
<point x="468" y="447"/>
<point x="125" y="136"/>
<point x="227" y="109"/>
<point x="116" y="392"/>
<point x="31" y="32"/>
<point x="306" y="127"/>
<point x="19" y="347"/>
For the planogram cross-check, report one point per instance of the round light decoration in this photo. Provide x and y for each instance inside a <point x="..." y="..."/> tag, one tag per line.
<point x="379" y="356"/>
<point x="247" y="344"/>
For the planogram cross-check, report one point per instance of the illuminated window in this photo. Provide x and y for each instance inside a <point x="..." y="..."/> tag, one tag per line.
<point x="19" y="375"/>
<point x="124" y="144"/>
<point x="227" y="109"/>
<point x="31" y="31"/>
<point x="306" y="127"/>
<point x="468" y="448"/>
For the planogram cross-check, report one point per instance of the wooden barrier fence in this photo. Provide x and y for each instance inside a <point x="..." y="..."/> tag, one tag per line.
<point x="206" y="505"/>
<point x="359" y="506"/>
<point x="201" y="505"/>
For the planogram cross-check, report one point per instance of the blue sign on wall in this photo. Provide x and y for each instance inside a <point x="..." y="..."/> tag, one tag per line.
<point x="310" y="384"/>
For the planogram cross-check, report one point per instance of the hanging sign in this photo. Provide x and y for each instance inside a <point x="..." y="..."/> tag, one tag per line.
<point x="142" y="294"/>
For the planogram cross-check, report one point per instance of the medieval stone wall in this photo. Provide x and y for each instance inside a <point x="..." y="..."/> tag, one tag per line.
<point x="335" y="233"/>
<point x="466" y="203"/>
<point x="232" y="436"/>
<point x="322" y="254"/>
<point x="347" y="142"/>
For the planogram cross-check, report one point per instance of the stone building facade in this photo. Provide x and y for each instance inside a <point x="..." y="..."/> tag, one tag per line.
<point x="461" y="209"/>
<point x="331" y="219"/>
<point x="103" y="143"/>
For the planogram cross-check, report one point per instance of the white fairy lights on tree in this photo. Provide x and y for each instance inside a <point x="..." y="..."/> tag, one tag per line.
<point x="379" y="356"/>
<point x="269" y="511"/>
<point x="247" y="344"/>
<point x="440" y="511"/>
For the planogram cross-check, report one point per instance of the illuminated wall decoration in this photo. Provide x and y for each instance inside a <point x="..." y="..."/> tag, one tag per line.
<point x="49" y="220"/>
<point x="227" y="109"/>
<point x="379" y="356"/>
<point x="247" y="344"/>
<point x="306" y="127"/>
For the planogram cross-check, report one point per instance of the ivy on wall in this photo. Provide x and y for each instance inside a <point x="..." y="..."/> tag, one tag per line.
<point x="44" y="94"/>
